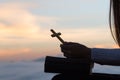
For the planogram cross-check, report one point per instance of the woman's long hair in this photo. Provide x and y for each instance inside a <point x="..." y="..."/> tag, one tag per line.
<point x="115" y="14"/>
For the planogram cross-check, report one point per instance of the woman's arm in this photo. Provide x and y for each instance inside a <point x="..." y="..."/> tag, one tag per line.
<point x="106" y="56"/>
<point x="98" y="55"/>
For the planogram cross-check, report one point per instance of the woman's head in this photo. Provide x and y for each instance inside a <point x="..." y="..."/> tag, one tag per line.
<point x="115" y="14"/>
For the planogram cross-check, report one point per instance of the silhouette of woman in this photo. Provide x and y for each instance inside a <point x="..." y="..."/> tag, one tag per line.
<point x="99" y="55"/>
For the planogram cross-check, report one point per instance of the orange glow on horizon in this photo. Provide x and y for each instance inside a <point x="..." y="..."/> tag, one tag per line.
<point x="25" y="33"/>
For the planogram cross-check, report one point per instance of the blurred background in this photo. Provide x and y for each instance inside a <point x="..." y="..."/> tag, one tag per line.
<point x="25" y="26"/>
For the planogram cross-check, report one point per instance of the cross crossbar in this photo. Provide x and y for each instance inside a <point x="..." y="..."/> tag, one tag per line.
<point x="57" y="35"/>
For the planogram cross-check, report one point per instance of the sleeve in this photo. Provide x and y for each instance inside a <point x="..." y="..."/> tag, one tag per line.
<point x="106" y="56"/>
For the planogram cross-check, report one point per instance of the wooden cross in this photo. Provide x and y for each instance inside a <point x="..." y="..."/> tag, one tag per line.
<point x="57" y="35"/>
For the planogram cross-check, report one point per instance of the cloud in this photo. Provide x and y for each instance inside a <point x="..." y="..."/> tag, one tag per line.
<point x="17" y="21"/>
<point x="11" y="54"/>
<point x="20" y="28"/>
<point x="24" y="70"/>
<point x="25" y="33"/>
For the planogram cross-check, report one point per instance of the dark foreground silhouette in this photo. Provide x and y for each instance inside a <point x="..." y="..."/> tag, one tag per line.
<point x="94" y="76"/>
<point x="74" y="69"/>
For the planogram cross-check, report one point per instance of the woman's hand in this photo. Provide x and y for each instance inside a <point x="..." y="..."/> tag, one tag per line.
<point x="75" y="50"/>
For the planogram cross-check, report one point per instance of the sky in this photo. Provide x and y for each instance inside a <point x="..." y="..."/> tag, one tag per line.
<point x="25" y="26"/>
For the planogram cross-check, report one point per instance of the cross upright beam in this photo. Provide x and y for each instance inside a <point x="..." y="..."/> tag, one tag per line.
<point x="57" y="35"/>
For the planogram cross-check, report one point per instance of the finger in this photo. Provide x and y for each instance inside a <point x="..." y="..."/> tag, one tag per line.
<point x="66" y="47"/>
<point x="69" y="43"/>
<point x="66" y="55"/>
<point x="66" y="51"/>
